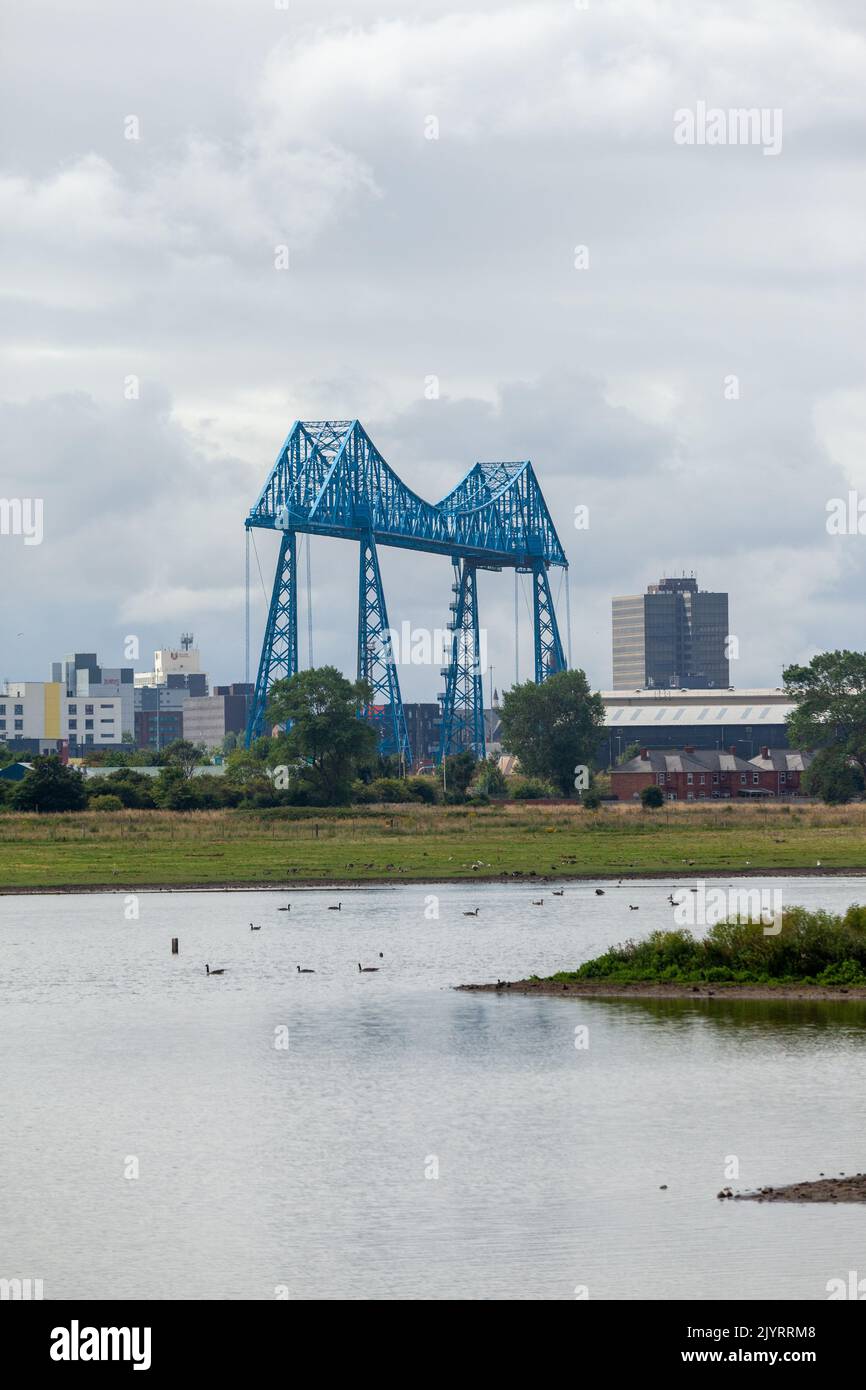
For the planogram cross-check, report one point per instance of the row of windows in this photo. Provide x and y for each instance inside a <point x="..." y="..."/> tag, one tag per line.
<point x="19" y="709"/>
<point x="690" y="778"/>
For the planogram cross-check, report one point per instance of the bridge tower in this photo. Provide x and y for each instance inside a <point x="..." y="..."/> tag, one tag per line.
<point x="279" y="658"/>
<point x="376" y="663"/>
<point x="463" y="701"/>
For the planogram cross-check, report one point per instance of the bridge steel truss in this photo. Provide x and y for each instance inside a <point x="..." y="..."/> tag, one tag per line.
<point x="329" y="479"/>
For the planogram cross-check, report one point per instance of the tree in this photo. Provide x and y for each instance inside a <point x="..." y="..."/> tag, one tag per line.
<point x="491" y="778"/>
<point x="174" y="791"/>
<point x="651" y="798"/>
<point x="553" y="728"/>
<point x="182" y="754"/>
<point x="830" y="698"/>
<point x="50" y="786"/>
<point x="321" y="706"/>
<point x="833" y="778"/>
<point x="460" y="768"/>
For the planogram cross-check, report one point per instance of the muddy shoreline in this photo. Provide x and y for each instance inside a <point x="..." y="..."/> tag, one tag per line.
<point x="606" y="989"/>
<point x="839" y="1189"/>
<point x="392" y="880"/>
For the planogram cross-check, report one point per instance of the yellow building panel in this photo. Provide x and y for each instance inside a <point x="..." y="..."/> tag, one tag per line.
<point x="52" y="709"/>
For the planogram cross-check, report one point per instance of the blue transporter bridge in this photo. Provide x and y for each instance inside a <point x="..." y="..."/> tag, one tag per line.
<point x="330" y="480"/>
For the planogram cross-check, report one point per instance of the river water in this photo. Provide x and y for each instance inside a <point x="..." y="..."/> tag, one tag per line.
<point x="268" y="1134"/>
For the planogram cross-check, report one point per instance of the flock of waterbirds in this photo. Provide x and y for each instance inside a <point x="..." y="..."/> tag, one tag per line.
<point x="305" y="969"/>
<point x="467" y="912"/>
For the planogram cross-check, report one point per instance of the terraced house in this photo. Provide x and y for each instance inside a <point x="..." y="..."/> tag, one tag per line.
<point x="701" y="774"/>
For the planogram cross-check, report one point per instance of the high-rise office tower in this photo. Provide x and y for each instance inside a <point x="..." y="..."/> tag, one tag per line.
<point x="674" y="635"/>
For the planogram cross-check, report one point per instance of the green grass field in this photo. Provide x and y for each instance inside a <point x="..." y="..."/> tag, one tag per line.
<point x="96" y="849"/>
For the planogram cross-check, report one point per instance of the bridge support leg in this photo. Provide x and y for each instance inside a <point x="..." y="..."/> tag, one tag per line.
<point x="463" y="703"/>
<point x="279" y="659"/>
<point x="376" y="663"/>
<point x="549" y="656"/>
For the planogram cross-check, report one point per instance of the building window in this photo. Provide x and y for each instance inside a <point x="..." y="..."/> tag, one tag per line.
<point x="19" y="709"/>
<point x="88" y="738"/>
<point x="71" y="709"/>
<point x="88" y="724"/>
<point x="703" y="780"/>
<point x="660" y="778"/>
<point x="88" y="709"/>
<point x="715" y="779"/>
<point x="756" y="778"/>
<point x="742" y="779"/>
<point x="783" y="776"/>
<point x="19" y="723"/>
<point x="73" y="723"/>
<point x="690" y="778"/>
<point x="2" y="709"/>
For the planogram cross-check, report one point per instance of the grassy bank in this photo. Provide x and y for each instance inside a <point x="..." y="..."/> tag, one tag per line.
<point x="802" y="948"/>
<point x="422" y="843"/>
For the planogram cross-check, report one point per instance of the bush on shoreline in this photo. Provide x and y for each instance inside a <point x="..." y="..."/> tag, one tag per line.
<point x="818" y="948"/>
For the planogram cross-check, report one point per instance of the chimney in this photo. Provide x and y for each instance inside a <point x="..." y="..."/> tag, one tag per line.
<point x="688" y="748"/>
<point x="644" y="754"/>
<point x="765" y="752"/>
<point x="733" y="750"/>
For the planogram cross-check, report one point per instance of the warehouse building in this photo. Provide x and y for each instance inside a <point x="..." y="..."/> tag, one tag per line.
<point x="746" y="720"/>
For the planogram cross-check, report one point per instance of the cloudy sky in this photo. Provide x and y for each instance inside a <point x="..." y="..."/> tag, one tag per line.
<point x="307" y="125"/>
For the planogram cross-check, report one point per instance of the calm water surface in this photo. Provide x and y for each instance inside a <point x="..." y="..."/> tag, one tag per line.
<point x="304" y="1167"/>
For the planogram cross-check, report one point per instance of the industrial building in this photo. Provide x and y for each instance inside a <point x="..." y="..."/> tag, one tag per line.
<point x="208" y="718"/>
<point x="84" y="679"/>
<point x="40" y="716"/>
<point x="673" y="636"/>
<point x="184" y="660"/>
<point x="746" y="720"/>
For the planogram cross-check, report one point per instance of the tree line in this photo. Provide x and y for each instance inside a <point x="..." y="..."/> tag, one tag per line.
<point x="322" y="754"/>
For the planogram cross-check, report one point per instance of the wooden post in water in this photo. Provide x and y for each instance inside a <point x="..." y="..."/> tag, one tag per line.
<point x="174" y="945"/>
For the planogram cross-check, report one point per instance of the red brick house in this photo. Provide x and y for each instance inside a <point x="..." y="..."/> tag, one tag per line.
<point x="780" y="770"/>
<point x="703" y="774"/>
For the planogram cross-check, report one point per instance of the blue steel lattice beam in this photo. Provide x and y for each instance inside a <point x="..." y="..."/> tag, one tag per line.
<point x="329" y="479"/>
<point x="279" y="659"/>
<point x="463" y="702"/>
<point x="549" y="656"/>
<point x="376" y="663"/>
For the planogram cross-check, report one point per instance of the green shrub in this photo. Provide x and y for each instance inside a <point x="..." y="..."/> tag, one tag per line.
<point x="821" y="946"/>
<point x="651" y="798"/>
<point x="530" y="789"/>
<point x="104" y="803"/>
<point x="424" y="789"/>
